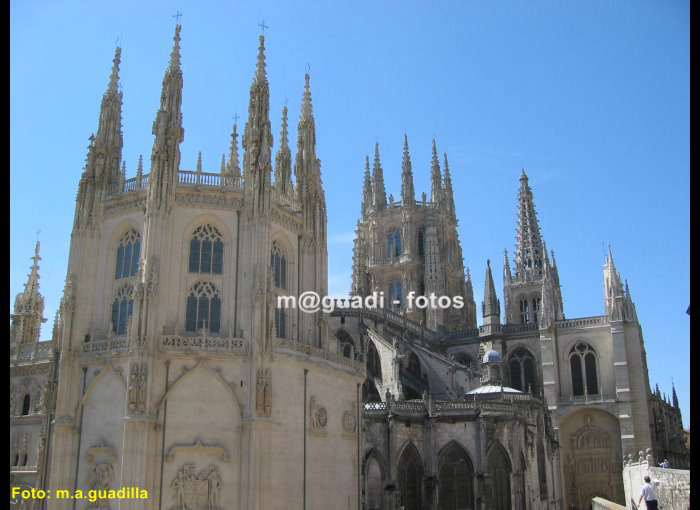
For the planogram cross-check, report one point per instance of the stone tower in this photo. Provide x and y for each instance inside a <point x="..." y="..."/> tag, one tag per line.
<point x="176" y="361"/>
<point x="412" y="246"/>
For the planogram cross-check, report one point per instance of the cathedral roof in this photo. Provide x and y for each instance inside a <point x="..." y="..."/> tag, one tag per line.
<point x="492" y="389"/>
<point x="492" y="357"/>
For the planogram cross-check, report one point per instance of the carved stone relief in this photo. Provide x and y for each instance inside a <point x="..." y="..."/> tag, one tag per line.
<point x="350" y="420"/>
<point x="263" y="392"/>
<point x="317" y="415"/>
<point x="100" y="476"/>
<point x="197" y="491"/>
<point x="137" y="387"/>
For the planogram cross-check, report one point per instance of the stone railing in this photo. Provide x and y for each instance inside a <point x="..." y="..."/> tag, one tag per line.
<point x="188" y="178"/>
<point x="520" y="328"/>
<point x="587" y="399"/>
<point x="583" y="322"/>
<point x="283" y="344"/>
<point x="483" y="402"/>
<point x="284" y="199"/>
<point x="39" y="351"/>
<point x="456" y="336"/>
<point x="117" y="343"/>
<point x="673" y="487"/>
<point x="182" y="343"/>
<point x="490" y="329"/>
<point x="133" y="184"/>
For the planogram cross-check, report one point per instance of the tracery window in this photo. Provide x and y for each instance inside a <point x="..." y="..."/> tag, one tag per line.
<point x="395" y="294"/>
<point x="26" y="404"/>
<point x="584" y="374"/>
<point x="455" y="479"/>
<point x="278" y="263"/>
<point x="523" y="375"/>
<point x="206" y="250"/>
<point x="421" y="243"/>
<point x="347" y="344"/>
<point x="128" y="254"/>
<point x="499" y="470"/>
<point x="536" y="308"/>
<point x="122" y="309"/>
<point x="524" y="311"/>
<point x="393" y="244"/>
<point x="281" y="323"/>
<point x="203" y="308"/>
<point x="410" y="478"/>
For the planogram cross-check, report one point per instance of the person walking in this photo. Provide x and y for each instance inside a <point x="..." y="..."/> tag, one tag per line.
<point x="649" y="494"/>
<point x="665" y="464"/>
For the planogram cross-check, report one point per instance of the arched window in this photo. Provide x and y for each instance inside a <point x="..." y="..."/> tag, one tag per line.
<point x="524" y="311"/>
<point x="203" y="308"/>
<point x="393" y="244"/>
<point x="26" y="404"/>
<point x="421" y="243"/>
<point x="347" y="344"/>
<point x="281" y="322"/>
<point x="26" y="458"/>
<point x="278" y="263"/>
<point x="536" y="308"/>
<point x="374" y="364"/>
<point x="499" y="470"/>
<point x="395" y="294"/>
<point x="122" y="308"/>
<point x="128" y="254"/>
<point x="373" y="484"/>
<point x="584" y="374"/>
<point x="206" y="250"/>
<point x="523" y="375"/>
<point x="455" y="479"/>
<point x="16" y="463"/>
<point x="410" y="478"/>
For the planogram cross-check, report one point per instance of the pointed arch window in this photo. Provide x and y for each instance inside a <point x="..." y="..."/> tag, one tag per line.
<point x="394" y="243"/>
<point x="499" y="470"/>
<point x="203" y="308"/>
<point x="455" y="479"/>
<point x="584" y="372"/>
<point x="395" y="294"/>
<point x="278" y="263"/>
<point x="122" y="309"/>
<point x="280" y="323"/>
<point x="524" y="311"/>
<point x="26" y="404"/>
<point x="128" y="253"/>
<point x="206" y="251"/>
<point x="421" y="243"/>
<point x="373" y="484"/>
<point x="410" y="478"/>
<point x="523" y="375"/>
<point x="536" y="308"/>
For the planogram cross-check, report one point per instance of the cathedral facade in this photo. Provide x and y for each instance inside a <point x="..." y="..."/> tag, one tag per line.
<point x="172" y="369"/>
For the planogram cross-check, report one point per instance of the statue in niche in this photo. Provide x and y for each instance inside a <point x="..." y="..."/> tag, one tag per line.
<point x="259" y="391"/>
<point x="137" y="388"/>
<point x="268" y="393"/>
<point x="318" y="415"/>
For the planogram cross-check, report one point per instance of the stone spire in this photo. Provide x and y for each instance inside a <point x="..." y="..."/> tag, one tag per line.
<point x="109" y="140"/>
<point x="199" y="162"/>
<point x="491" y="308"/>
<point x="378" y="191"/>
<point x="470" y="305"/>
<point x="367" y="197"/>
<point x="283" y="159"/>
<point x="674" y="397"/>
<point x="139" y="172"/>
<point x="449" y="197"/>
<point x="29" y="307"/>
<point x="613" y="289"/>
<point x="528" y="248"/>
<point x="233" y="166"/>
<point x="257" y="138"/>
<point x="222" y="170"/>
<point x="408" y="194"/>
<point x="435" y="178"/>
<point x="168" y="131"/>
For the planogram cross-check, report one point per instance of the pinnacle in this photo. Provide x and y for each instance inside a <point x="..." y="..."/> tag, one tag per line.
<point x="175" y="55"/>
<point x="114" y="78"/>
<point x="260" y="68"/>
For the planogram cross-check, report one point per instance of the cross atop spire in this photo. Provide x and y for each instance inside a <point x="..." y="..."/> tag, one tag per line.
<point x="177" y="17"/>
<point x="262" y="26"/>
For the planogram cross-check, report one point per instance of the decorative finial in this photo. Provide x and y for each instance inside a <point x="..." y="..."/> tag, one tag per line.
<point x="199" y="162"/>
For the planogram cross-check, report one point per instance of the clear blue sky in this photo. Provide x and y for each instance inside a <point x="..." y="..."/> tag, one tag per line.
<point x="592" y="98"/>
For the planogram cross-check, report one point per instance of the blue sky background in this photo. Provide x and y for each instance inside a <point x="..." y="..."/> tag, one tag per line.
<point x="591" y="98"/>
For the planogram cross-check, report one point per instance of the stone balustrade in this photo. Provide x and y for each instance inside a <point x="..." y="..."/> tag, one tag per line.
<point x="583" y="322"/>
<point x="183" y="343"/>
<point x="117" y="343"/>
<point x="283" y="344"/>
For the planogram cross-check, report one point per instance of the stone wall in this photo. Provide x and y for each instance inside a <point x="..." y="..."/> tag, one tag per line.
<point x="674" y="484"/>
<point x="604" y="504"/>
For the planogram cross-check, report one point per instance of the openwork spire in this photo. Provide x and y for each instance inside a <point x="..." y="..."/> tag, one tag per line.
<point x="29" y="306"/>
<point x="378" y="191"/>
<point x="233" y="166"/>
<point x="529" y="252"/>
<point x="435" y="178"/>
<point x="113" y="87"/>
<point x="449" y="197"/>
<point x="283" y="159"/>
<point x="367" y="191"/>
<point x="491" y="306"/>
<point x="408" y="195"/>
